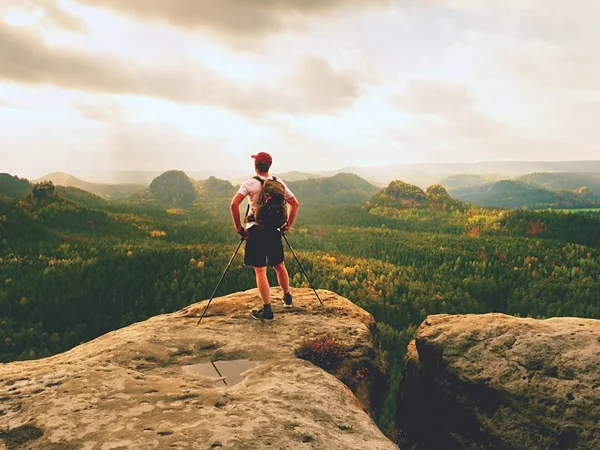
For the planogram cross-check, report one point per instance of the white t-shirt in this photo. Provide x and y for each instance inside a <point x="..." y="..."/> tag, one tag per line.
<point x="252" y="187"/>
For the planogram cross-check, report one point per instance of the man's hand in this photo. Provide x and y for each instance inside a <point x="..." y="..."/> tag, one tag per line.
<point x="243" y="233"/>
<point x="286" y="227"/>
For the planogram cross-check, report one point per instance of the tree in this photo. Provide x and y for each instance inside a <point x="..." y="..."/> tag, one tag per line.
<point x="43" y="190"/>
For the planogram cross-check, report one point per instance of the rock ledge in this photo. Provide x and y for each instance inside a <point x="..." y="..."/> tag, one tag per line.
<point x="128" y="389"/>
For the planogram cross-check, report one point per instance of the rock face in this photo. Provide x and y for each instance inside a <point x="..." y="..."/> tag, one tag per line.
<point x="498" y="382"/>
<point x="137" y="387"/>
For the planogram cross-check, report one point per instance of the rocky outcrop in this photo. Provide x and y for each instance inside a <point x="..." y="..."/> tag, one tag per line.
<point x="173" y="188"/>
<point x="399" y="194"/>
<point x="141" y="387"/>
<point x="498" y="382"/>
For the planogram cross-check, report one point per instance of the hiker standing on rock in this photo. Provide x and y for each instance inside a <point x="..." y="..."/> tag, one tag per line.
<point x="268" y="218"/>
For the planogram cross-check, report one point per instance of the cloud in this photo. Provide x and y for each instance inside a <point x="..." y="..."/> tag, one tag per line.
<point x="561" y="67"/>
<point x="26" y="58"/>
<point x="62" y="18"/>
<point x="447" y="109"/>
<point x="8" y="104"/>
<point x="232" y="17"/>
<point x="159" y="146"/>
<point x="109" y="111"/>
<point x="428" y="96"/>
<point x="544" y="43"/>
<point x="51" y="14"/>
<point x="314" y="88"/>
<point x="323" y="88"/>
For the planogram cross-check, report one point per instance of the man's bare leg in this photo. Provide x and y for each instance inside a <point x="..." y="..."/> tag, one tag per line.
<point x="262" y="283"/>
<point x="282" y="277"/>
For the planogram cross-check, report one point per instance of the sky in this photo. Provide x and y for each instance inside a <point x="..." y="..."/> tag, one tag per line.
<point x="199" y="85"/>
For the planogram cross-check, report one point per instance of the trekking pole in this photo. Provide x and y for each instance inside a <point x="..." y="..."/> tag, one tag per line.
<point x="221" y="279"/>
<point x="301" y="268"/>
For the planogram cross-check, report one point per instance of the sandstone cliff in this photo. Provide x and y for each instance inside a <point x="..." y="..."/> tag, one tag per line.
<point x="139" y="387"/>
<point x="498" y="382"/>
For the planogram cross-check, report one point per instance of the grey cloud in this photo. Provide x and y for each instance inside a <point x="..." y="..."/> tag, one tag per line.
<point x="315" y="88"/>
<point x="233" y="17"/>
<point x="26" y="58"/>
<point x="324" y="88"/>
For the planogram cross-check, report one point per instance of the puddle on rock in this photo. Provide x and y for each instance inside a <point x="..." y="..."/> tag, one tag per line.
<point x="230" y="371"/>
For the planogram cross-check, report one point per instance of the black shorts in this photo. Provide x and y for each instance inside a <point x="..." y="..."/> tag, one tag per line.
<point x="263" y="247"/>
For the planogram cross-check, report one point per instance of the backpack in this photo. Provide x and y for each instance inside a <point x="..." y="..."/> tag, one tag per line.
<point x="271" y="209"/>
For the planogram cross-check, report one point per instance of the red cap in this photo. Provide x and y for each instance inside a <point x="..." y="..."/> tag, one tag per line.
<point x="263" y="157"/>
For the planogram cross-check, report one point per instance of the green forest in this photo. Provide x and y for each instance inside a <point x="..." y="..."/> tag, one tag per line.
<point x="74" y="266"/>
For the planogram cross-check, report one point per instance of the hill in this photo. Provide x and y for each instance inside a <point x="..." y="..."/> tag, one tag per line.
<point x="515" y="194"/>
<point x="570" y="181"/>
<point x="214" y="189"/>
<point x="424" y="174"/>
<point x="341" y="189"/>
<point x="13" y="187"/>
<point x="467" y="180"/>
<point x="298" y="176"/>
<point x="286" y="176"/>
<point x="17" y="228"/>
<point x="106" y="191"/>
<point x="171" y="189"/>
<point x="175" y="190"/>
<point x="82" y="197"/>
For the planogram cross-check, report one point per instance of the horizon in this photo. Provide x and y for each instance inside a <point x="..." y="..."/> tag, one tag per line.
<point x="377" y="175"/>
<point x="91" y="86"/>
<point x="90" y="175"/>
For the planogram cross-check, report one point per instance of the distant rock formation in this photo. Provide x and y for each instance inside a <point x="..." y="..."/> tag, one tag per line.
<point x="139" y="388"/>
<point x="439" y="199"/>
<point x="498" y="382"/>
<point x="174" y="188"/>
<point x="215" y="186"/>
<point x="437" y="191"/>
<point x="400" y="195"/>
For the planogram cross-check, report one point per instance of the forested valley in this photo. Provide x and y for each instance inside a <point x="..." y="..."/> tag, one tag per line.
<point x="74" y="266"/>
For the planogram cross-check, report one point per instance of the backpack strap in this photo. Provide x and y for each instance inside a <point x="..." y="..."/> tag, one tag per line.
<point x="263" y="181"/>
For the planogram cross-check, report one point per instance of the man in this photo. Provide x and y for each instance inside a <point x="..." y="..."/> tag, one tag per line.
<point x="263" y="245"/>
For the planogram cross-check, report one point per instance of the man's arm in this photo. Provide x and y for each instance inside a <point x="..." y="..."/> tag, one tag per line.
<point x="236" y="201"/>
<point x="294" y="205"/>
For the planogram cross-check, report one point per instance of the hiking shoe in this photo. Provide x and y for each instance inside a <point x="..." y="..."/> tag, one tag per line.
<point x="287" y="300"/>
<point x="262" y="314"/>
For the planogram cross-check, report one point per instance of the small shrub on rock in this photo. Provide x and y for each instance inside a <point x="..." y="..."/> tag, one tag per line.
<point x="323" y="351"/>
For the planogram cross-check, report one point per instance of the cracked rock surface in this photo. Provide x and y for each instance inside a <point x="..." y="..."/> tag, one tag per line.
<point x="128" y="389"/>
<point x="494" y="381"/>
